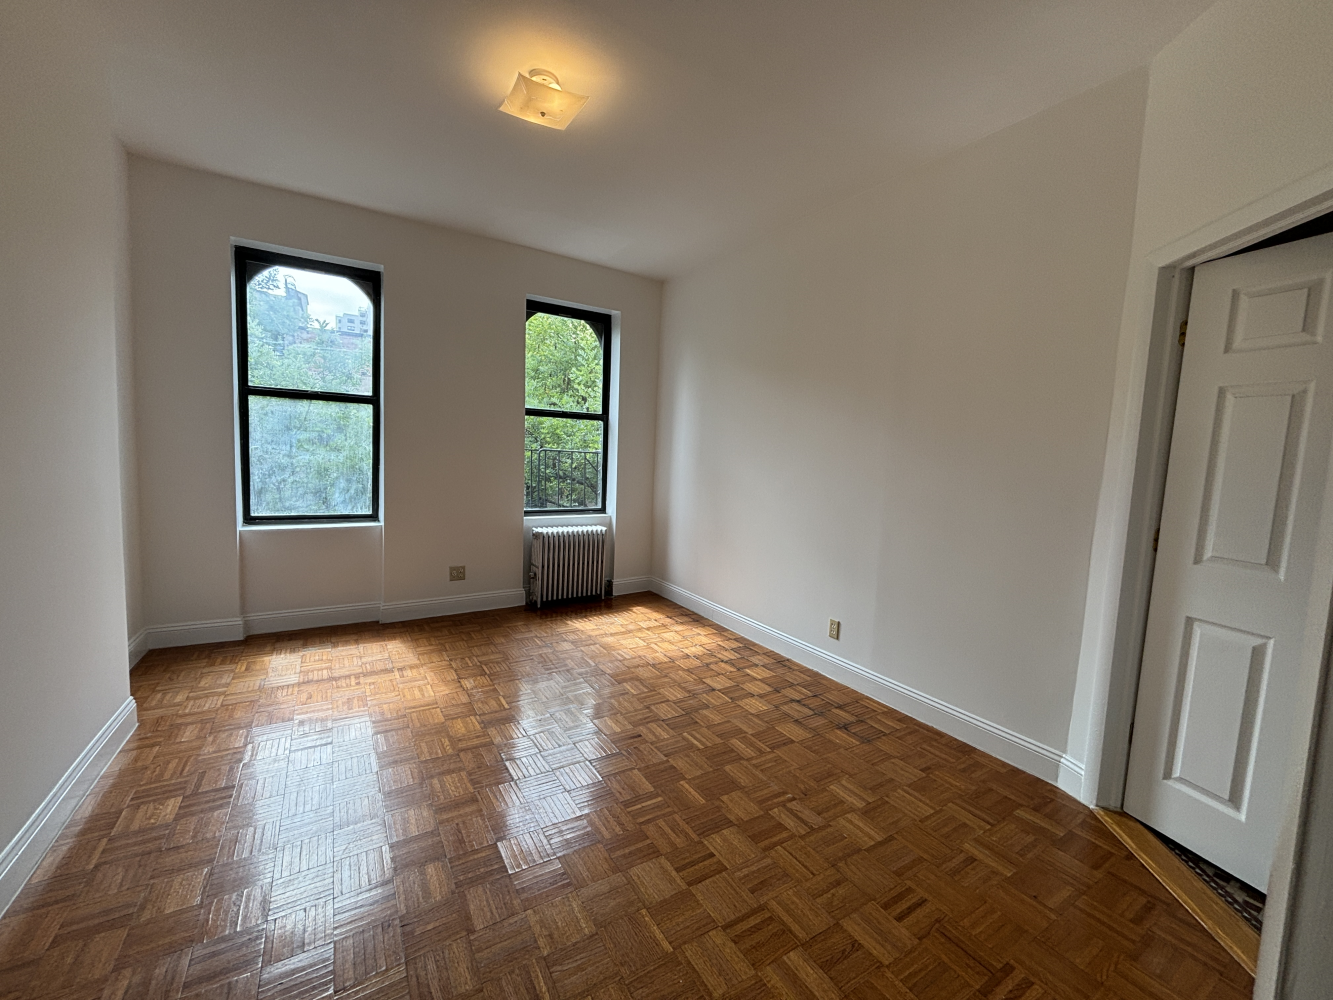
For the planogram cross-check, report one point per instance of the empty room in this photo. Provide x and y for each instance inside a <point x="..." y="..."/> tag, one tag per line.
<point x="666" y="500"/>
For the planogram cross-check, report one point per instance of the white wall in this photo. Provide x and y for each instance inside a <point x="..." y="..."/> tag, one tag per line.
<point x="893" y="413"/>
<point x="125" y="429"/>
<point x="63" y="671"/>
<point x="453" y="409"/>
<point x="1238" y="106"/>
<point x="328" y="566"/>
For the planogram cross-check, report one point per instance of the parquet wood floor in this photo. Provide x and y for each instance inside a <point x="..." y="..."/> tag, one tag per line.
<point x="616" y="802"/>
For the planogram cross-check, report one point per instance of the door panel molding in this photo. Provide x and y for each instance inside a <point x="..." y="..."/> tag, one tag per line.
<point x="1287" y="313"/>
<point x="1204" y="700"/>
<point x="1246" y="515"/>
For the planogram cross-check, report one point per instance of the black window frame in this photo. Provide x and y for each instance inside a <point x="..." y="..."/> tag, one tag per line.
<point x="242" y="256"/>
<point x="601" y="323"/>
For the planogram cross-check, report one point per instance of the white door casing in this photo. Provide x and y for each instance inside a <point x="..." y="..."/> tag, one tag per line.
<point x="1239" y="529"/>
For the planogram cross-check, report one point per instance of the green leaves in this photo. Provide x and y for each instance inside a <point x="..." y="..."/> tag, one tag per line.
<point x="320" y="363"/>
<point x="564" y="364"/>
<point x="561" y="432"/>
<point x="310" y="456"/>
<point x="278" y="315"/>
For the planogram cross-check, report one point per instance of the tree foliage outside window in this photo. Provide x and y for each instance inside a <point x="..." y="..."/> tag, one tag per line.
<point x="309" y="398"/>
<point x="565" y="423"/>
<point x="309" y="456"/>
<point x="564" y="364"/>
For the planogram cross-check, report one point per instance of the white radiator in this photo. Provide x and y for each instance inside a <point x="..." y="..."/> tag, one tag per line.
<point x="567" y="562"/>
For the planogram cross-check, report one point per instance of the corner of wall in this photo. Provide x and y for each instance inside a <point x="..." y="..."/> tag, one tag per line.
<point x="1014" y="748"/>
<point x="129" y="466"/>
<point x="20" y="859"/>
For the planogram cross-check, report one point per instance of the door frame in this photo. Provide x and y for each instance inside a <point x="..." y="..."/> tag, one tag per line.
<point x="1128" y="512"/>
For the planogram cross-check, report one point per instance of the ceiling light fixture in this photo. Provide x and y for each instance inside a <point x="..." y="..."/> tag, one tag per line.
<point x="539" y="98"/>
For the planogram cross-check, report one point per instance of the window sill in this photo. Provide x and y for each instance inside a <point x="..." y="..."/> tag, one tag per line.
<point x="569" y="518"/>
<point x="289" y="525"/>
<point x="529" y="515"/>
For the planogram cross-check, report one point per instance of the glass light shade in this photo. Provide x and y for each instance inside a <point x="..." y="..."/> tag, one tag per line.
<point x="546" y="104"/>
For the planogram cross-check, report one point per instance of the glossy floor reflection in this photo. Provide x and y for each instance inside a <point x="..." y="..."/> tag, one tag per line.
<point x="614" y="801"/>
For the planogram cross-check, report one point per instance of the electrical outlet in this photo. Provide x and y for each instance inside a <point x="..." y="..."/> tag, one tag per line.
<point x="457" y="573"/>
<point x="834" y="628"/>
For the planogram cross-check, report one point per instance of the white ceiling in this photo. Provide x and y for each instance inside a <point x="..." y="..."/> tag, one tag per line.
<point x="708" y="120"/>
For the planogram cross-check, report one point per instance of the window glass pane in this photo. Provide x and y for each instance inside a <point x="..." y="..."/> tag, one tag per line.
<point x="310" y="456"/>
<point x="564" y="364"/>
<point x="308" y="330"/>
<point x="564" y="463"/>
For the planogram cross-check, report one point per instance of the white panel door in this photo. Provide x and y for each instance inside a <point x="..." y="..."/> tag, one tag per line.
<point x="1231" y="589"/>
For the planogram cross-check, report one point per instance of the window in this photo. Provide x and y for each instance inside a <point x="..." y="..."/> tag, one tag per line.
<point x="309" y="388"/>
<point x="568" y="377"/>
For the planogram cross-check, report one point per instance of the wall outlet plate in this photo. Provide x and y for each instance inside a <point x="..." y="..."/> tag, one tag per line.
<point x="457" y="573"/>
<point x="834" y="628"/>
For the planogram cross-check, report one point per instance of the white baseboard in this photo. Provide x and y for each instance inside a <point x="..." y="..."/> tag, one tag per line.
<point x="1014" y="748"/>
<point x="20" y="859"/>
<point x="187" y="634"/>
<point x="1071" y="776"/>
<point x="402" y="611"/>
<point x="264" y="622"/>
<point x="138" y="646"/>
<point x="631" y="585"/>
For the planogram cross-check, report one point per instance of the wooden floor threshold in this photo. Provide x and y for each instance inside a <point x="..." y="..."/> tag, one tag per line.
<point x="1220" y="920"/>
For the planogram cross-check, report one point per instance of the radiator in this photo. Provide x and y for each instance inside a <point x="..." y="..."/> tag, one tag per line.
<point x="567" y="562"/>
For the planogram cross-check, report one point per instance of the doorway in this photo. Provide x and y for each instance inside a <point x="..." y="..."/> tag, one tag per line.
<point x="1232" y="586"/>
<point x="1123" y="555"/>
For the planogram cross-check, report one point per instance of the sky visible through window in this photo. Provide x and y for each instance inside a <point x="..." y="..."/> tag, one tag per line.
<point x="328" y="295"/>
